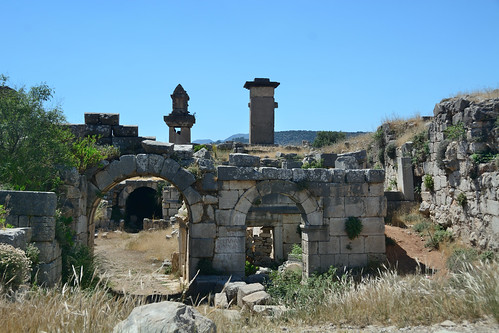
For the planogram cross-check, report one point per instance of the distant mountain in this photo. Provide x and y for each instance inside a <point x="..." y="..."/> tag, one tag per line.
<point x="281" y="138"/>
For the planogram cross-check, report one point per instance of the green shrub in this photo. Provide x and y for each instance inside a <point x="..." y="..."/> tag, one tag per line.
<point x="455" y="132"/>
<point x="429" y="183"/>
<point x="313" y="164"/>
<point x="3" y="215"/>
<point x="391" y="151"/>
<point x="461" y="199"/>
<point x="87" y="153"/>
<point x="249" y="268"/>
<point x="199" y="147"/>
<point x="483" y="157"/>
<point x="353" y="227"/>
<point x="460" y="259"/>
<point x="437" y="238"/>
<point x="327" y="138"/>
<point x="15" y="267"/>
<point x="421" y="146"/>
<point x="421" y="227"/>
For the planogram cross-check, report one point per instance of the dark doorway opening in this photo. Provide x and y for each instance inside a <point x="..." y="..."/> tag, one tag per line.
<point x="141" y="203"/>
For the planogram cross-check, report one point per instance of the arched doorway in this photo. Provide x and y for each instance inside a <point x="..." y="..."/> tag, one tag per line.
<point x="142" y="203"/>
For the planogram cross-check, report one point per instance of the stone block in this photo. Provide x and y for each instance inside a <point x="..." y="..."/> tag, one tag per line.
<point x="102" y="131"/>
<point x="375" y="244"/>
<point x="355" y="176"/>
<point x="169" y="169"/>
<point x="209" y="182"/>
<point x="202" y="247"/>
<point x="129" y="145"/>
<point x="256" y="298"/>
<point x="43" y="228"/>
<point x="375" y="190"/>
<point x="206" y="165"/>
<point x="183" y="151"/>
<point x="156" y="147"/>
<point x="339" y="175"/>
<point x="355" y="245"/>
<point x="357" y="260"/>
<point x="231" y="231"/>
<point x="311" y="234"/>
<point x="328" y="160"/>
<point x="346" y="162"/>
<point x="244" y="160"/>
<point x="238" y="219"/>
<point x="330" y="246"/>
<point x="276" y="173"/>
<point x="374" y="206"/>
<point x="334" y="207"/>
<point x="492" y="207"/>
<point x="127" y="165"/>
<point x="230" y="263"/>
<point x="192" y="196"/>
<point x="270" y="162"/>
<point x="238" y="184"/>
<point x="227" y="199"/>
<point x="299" y="175"/>
<point x="40" y="203"/>
<point x="183" y="179"/>
<point x="220" y="300"/>
<point x="125" y="130"/>
<point x="92" y="118"/>
<point x="327" y="260"/>
<point x="318" y="175"/>
<point x="17" y="237"/>
<point x="290" y="164"/>
<point x="341" y="260"/>
<point x="231" y="290"/>
<point x="49" y="273"/>
<point x="103" y="180"/>
<point x="354" y="206"/>
<point x="196" y="212"/>
<point x="358" y="189"/>
<point x="203" y="230"/>
<point x="230" y="245"/>
<point x="238" y="173"/>
<point x="375" y="176"/>
<point x="155" y="164"/>
<point x="223" y="217"/>
<point x="49" y="251"/>
<point x="373" y="226"/>
<point x="142" y="163"/>
<point x="248" y="289"/>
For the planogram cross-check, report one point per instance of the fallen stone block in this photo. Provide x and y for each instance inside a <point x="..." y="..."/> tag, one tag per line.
<point x="256" y="298"/>
<point x="243" y="291"/>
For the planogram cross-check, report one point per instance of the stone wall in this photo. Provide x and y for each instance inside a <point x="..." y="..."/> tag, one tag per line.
<point x="464" y="198"/>
<point x="35" y="211"/>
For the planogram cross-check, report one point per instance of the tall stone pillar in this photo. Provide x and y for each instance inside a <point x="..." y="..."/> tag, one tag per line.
<point x="180" y="121"/>
<point x="262" y="105"/>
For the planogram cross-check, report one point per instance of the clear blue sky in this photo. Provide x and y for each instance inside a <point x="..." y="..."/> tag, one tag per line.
<point x="342" y="65"/>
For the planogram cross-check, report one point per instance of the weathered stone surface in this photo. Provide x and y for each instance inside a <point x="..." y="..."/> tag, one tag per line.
<point x="129" y="145"/>
<point x="202" y="247"/>
<point x="209" y="182"/>
<point x="220" y="301"/>
<point x="41" y="203"/>
<point x="230" y="245"/>
<point x="346" y="162"/>
<point x="238" y="173"/>
<point x="102" y="118"/>
<point x="203" y="230"/>
<point x="256" y="298"/>
<point x="49" y="273"/>
<point x="248" y="289"/>
<point x="355" y="176"/>
<point x="183" y="152"/>
<point x="125" y="130"/>
<point x="244" y="160"/>
<point x="183" y="179"/>
<point x="231" y="290"/>
<point x="270" y="310"/>
<point x="157" y="147"/>
<point x="17" y="237"/>
<point x="43" y="228"/>
<point x="170" y="168"/>
<point x="103" y="131"/>
<point x="206" y="165"/>
<point x="165" y="317"/>
<point x="375" y="176"/>
<point x="48" y="251"/>
<point x="328" y="160"/>
<point x="290" y="164"/>
<point x="276" y="173"/>
<point x="202" y="153"/>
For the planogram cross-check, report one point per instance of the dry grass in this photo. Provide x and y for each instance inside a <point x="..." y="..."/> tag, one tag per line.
<point x="358" y="142"/>
<point x="405" y="128"/>
<point x="153" y="243"/>
<point x="63" y="309"/>
<point x="388" y="299"/>
<point x="476" y="95"/>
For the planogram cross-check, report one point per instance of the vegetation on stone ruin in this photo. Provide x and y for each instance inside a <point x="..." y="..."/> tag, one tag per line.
<point x="15" y="267"/>
<point x="353" y="227"/>
<point x="455" y="132"/>
<point x="87" y="153"/>
<point x="428" y="182"/>
<point x="327" y="138"/>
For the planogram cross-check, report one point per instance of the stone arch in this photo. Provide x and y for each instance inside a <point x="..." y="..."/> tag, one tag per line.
<point x="143" y="165"/>
<point x="311" y="212"/>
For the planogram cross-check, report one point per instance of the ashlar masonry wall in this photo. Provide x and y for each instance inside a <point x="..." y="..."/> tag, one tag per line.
<point x="325" y="198"/>
<point x="36" y="211"/>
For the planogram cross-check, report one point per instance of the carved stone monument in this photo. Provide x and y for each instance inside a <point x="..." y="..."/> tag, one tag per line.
<point x="180" y="120"/>
<point x="262" y="105"/>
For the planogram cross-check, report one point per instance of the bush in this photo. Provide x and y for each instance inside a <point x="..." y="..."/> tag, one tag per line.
<point x="249" y="268"/>
<point x="353" y="227"/>
<point x="437" y="238"/>
<point x="455" y="132"/>
<point x="327" y="138"/>
<point x="87" y="153"/>
<point x="461" y="199"/>
<point x="391" y="151"/>
<point x="421" y="146"/>
<point x="421" y="227"/>
<point x="15" y="267"/>
<point x="429" y="183"/>
<point x="313" y="164"/>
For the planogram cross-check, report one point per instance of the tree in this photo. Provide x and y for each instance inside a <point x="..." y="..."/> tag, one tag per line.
<point x="327" y="138"/>
<point x="33" y="145"/>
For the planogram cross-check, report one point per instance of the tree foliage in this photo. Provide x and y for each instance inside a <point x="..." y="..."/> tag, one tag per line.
<point x="32" y="144"/>
<point x="327" y="138"/>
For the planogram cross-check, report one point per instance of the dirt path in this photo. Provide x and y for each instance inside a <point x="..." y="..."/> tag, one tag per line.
<point x="132" y="271"/>
<point x="409" y="250"/>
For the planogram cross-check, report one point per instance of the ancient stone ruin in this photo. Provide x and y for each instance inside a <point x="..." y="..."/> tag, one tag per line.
<point x="262" y="105"/>
<point x="180" y="121"/>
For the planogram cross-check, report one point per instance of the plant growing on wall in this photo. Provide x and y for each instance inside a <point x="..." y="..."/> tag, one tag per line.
<point x="461" y="199"/>
<point x="391" y="151"/>
<point x="455" y="132"/>
<point x="429" y="183"/>
<point x="353" y="227"/>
